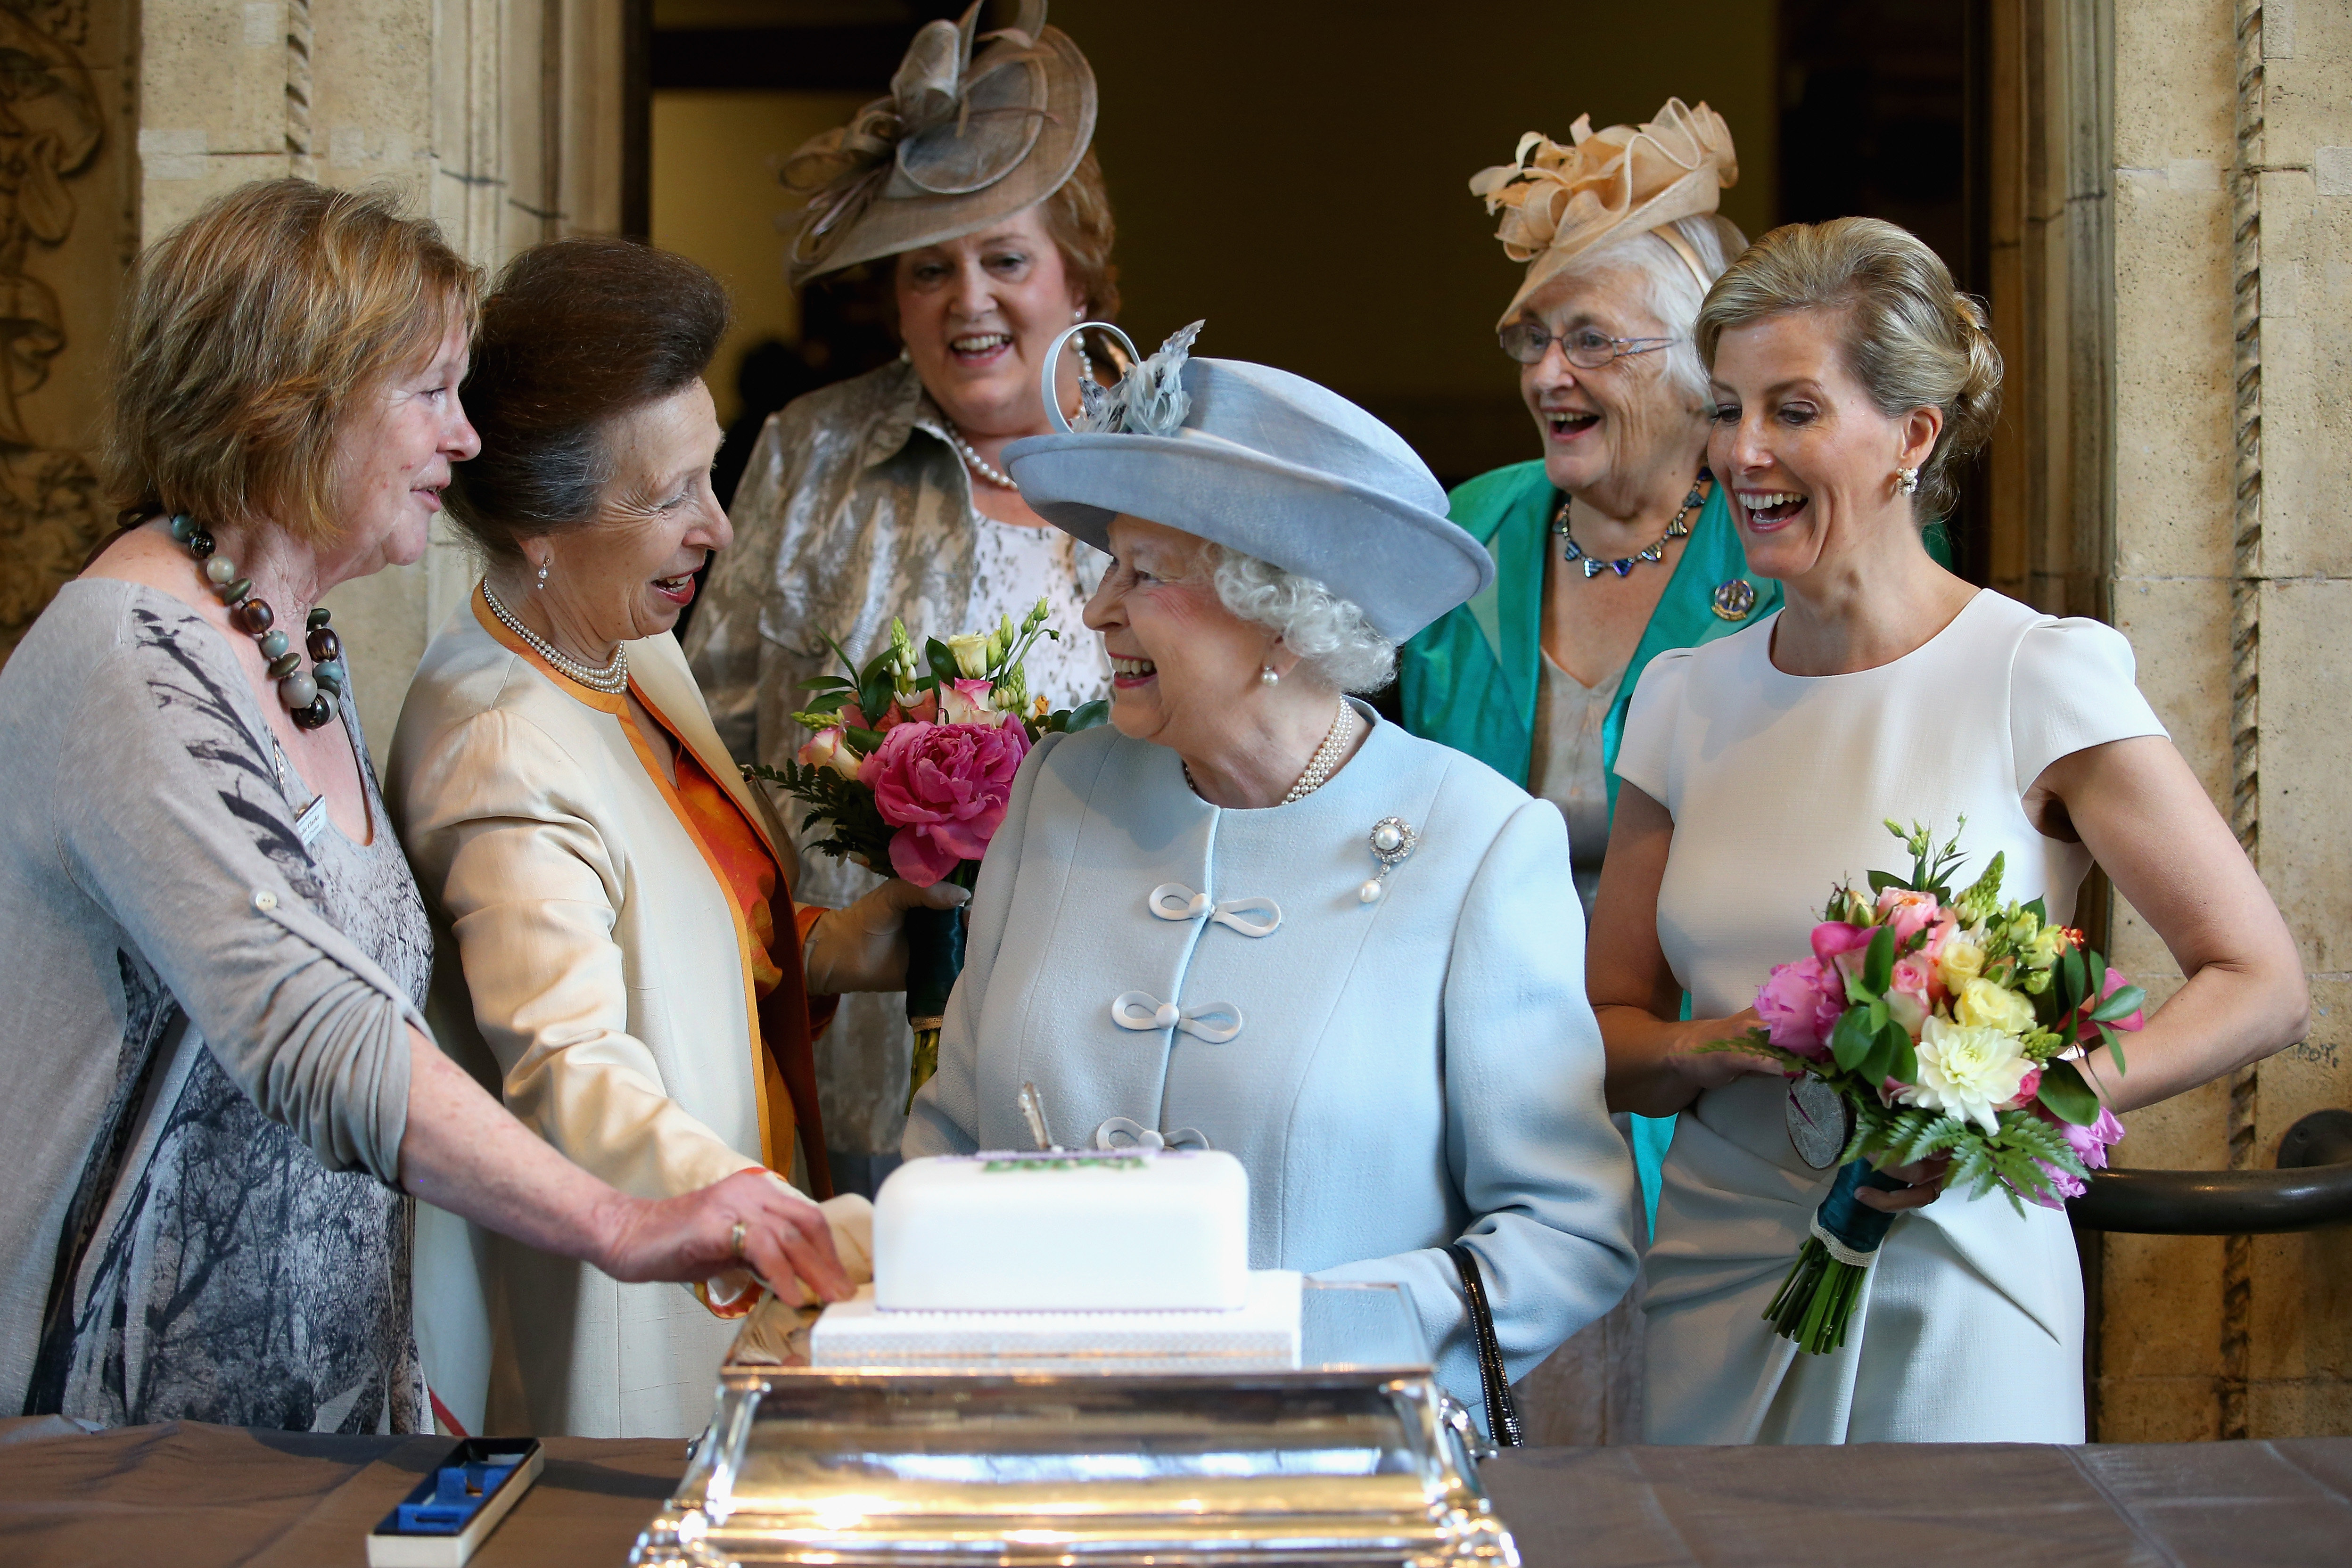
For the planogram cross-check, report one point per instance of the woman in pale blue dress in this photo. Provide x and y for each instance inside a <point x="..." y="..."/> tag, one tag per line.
<point x="1250" y="913"/>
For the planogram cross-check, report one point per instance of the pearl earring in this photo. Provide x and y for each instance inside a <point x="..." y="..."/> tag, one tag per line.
<point x="1907" y="481"/>
<point x="542" y="574"/>
<point x="1267" y="676"/>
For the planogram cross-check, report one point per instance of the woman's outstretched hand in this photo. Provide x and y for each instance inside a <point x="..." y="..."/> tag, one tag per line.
<point x="1702" y="1069"/>
<point x="787" y="1241"/>
<point x="863" y="946"/>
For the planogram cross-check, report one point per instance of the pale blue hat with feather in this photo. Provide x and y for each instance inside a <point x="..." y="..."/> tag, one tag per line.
<point x="1262" y="462"/>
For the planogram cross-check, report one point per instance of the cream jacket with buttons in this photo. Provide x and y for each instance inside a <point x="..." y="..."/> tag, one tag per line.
<point x="593" y="971"/>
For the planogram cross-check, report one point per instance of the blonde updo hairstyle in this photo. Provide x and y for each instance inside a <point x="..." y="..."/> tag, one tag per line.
<point x="1910" y="337"/>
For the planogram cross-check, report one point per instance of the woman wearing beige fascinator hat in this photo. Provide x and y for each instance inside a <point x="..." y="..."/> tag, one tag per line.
<point x="1616" y="544"/>
<point x="972" y="189"/>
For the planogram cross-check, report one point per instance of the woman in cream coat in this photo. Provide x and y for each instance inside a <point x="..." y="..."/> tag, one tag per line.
<point x="631" y="970"/>
<point x="1185" y="927"/>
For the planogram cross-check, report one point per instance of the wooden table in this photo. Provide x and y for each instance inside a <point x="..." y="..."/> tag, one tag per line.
<point x="189" y="1496"/>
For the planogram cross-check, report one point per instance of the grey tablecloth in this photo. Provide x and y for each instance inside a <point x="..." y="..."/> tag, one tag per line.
<point x="190" y="1496"/>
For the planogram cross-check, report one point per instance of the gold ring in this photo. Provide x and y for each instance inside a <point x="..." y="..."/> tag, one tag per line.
<point x="735" y="1243"/>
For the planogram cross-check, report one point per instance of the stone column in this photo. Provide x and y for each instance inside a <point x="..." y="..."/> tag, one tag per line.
<point x="2232" y="310"/>
<point x="500" y="117"/>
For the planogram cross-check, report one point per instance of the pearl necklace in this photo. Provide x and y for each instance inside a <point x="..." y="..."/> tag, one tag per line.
<point x="979" y="465"/>
<point x="611" y="680"/>
<point x="1319" y="766"/>
<point x="1570" y="551"/>
<point x="1326" y="756"/>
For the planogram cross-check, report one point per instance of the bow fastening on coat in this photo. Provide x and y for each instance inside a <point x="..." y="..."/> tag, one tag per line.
<point x="1127" y="1133"/>
<point x="917" y="142"/>
<point x="1256" y="916"/>
<point x="1215" y="1022"/>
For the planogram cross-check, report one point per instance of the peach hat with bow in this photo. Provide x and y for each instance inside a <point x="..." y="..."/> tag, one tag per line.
<point x="1559" y="202"/>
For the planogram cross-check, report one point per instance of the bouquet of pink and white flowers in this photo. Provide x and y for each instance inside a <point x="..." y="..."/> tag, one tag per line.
<point x="910" y="768"/>
<point x="1926" y="1026"/>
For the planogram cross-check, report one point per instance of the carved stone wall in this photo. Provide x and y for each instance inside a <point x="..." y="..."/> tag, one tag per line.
<point x="500" y="118"/>
<point x="68" y="229"/>
<point x="2172" y="202"/>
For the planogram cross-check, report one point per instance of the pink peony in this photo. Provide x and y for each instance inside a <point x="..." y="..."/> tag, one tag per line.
<point x="943" y="787"/>
<point x="966" y="702"/>
<point x="1909" y="913"/>
<point x="1800" y="1005"/>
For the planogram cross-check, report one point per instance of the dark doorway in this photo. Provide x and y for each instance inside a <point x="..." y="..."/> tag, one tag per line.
<point x="1884" y="114"/>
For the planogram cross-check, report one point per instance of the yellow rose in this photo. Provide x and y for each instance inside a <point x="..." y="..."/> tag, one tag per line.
<point x="1983" y="1004"/>
<point x="1961" y="962"/>
<point x="971" y="652"/>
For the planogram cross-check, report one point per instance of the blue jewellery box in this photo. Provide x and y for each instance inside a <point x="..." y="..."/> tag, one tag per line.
<point x="456" y="1505"/>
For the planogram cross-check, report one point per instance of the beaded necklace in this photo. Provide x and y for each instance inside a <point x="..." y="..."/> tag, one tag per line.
<point x="309" y="698"/>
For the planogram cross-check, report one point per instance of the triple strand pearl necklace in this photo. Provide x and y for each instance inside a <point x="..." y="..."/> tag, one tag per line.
<point x="1326" y="756"/>
<point x="611" y="680"/>
<point x="1319" y="766"/>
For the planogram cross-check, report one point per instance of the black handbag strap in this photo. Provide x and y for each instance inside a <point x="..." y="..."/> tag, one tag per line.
<point x="1502" y="1410"/>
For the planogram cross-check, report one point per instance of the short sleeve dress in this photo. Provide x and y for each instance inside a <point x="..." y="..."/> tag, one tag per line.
<point x="1971" y="1330"/>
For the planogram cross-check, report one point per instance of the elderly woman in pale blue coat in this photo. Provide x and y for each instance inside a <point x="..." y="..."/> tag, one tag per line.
<point x="1249" y="912"/>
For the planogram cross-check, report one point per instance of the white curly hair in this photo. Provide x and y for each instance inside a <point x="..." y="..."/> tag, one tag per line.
<point x="1327" y="633"/>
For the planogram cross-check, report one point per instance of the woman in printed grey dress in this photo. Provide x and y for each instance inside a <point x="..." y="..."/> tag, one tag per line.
<point x="221" y="1091"/>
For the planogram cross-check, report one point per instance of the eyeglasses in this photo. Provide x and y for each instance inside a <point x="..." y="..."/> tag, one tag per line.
<point x="1587" y="348"/>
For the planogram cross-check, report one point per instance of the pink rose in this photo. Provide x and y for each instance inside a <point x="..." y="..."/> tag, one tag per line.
<point x="1909" y="994"/>
<point x="966" y="702"/>
<point x="1908" y="912"/>
<point x="2089" y="1033"/>
<point x="830" y="748"/>
<point x="1800" y="1005"/>
<point x="1937" y="934"/>
<point x="1832" y="938"/>
<point x="2027" y="1088"/>
<point x="943" y="787"/>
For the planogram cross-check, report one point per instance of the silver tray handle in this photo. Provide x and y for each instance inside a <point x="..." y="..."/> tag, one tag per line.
<point x="1455" y="1415"/>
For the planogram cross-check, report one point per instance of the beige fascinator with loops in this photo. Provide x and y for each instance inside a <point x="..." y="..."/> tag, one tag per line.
<point x="1559" y="202"/>
<point x="964" y="139"/>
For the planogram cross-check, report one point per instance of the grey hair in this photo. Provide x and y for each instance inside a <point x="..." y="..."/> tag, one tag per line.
<point x="1328" y="634"/>
<point x="1674" y="292"/>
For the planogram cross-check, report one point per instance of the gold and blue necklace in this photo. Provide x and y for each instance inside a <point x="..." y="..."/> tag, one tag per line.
<point x="1594" y="565"/>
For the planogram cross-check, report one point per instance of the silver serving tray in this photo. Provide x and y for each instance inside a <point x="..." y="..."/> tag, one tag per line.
<point x="1359" y="1457"/>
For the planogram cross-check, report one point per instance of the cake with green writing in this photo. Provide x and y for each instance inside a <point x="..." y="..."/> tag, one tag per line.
<point x="1128" y="1230"/>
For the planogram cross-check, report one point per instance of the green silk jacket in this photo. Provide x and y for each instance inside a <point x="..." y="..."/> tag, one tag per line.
<point x="1470" y="678"/>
